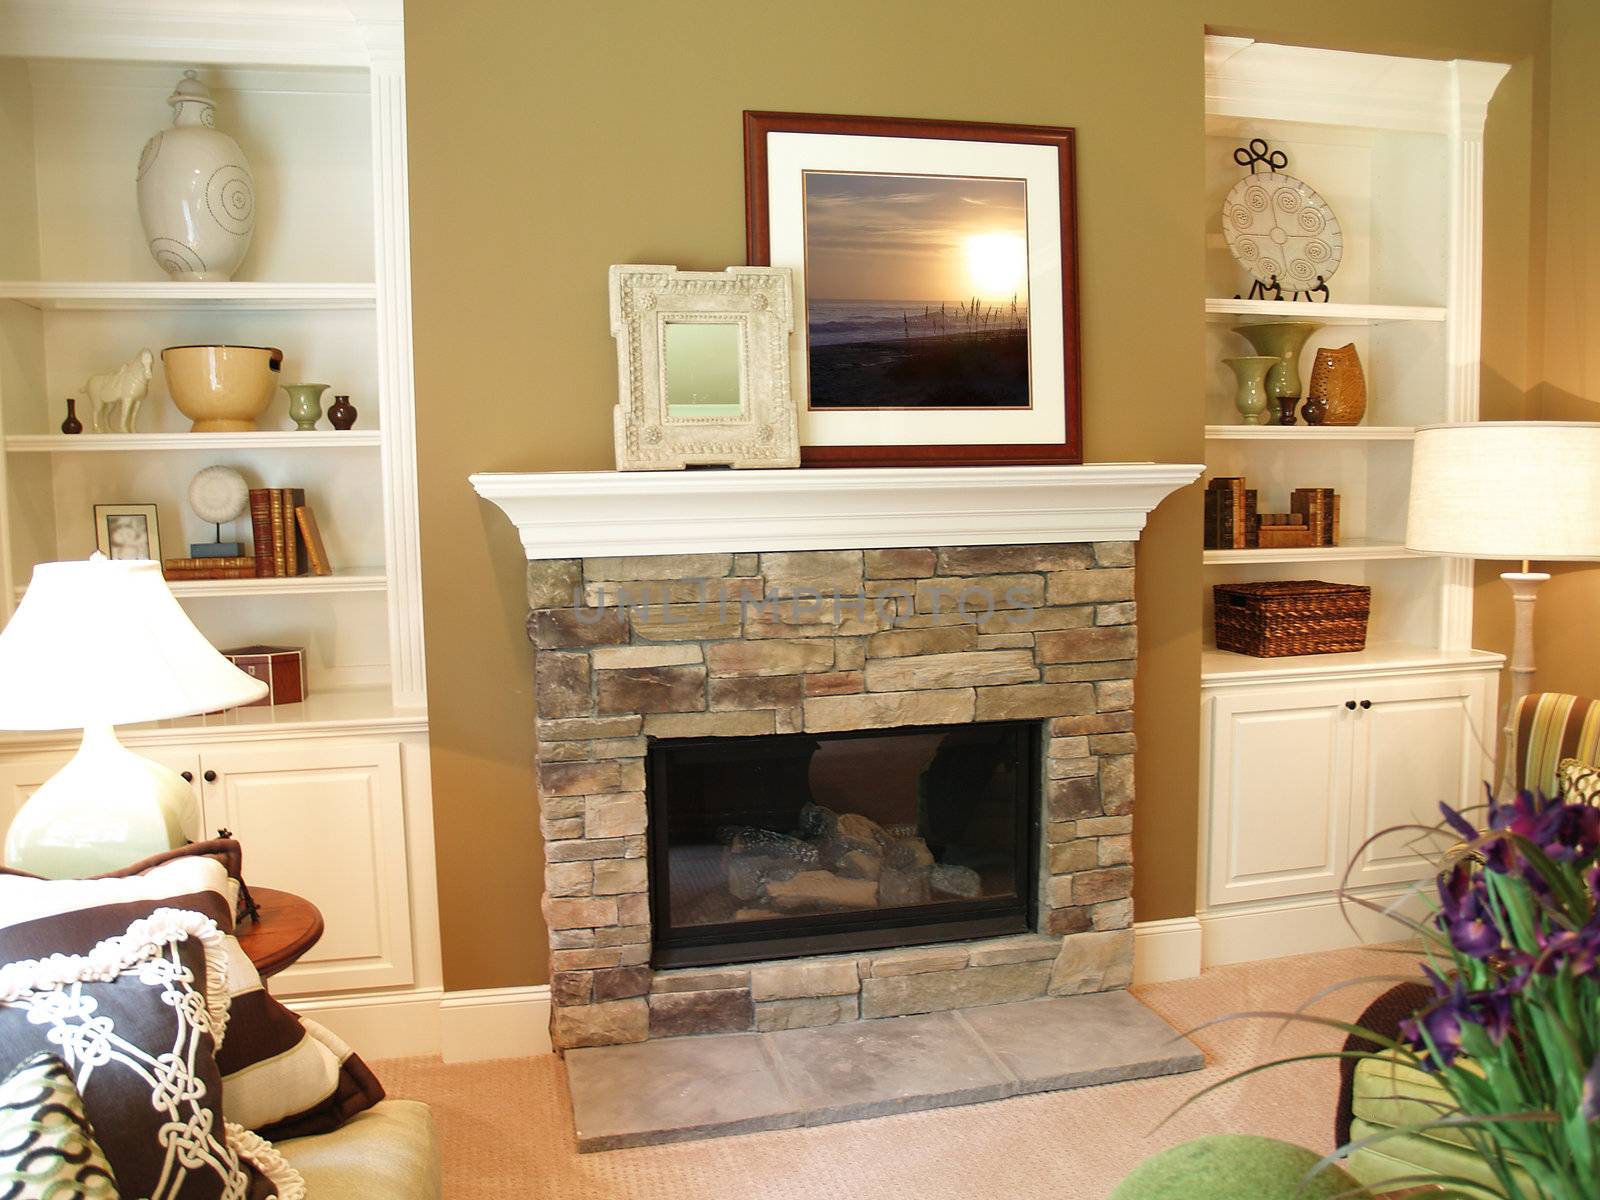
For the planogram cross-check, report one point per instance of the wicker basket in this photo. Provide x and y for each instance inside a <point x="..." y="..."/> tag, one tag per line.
<point x="1300" y="616"/>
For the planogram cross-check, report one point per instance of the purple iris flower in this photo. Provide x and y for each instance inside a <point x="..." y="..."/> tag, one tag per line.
<point x="1454" y="1008"/>
<point x="1575" y="950"/>
<point x="1464" y="914"/>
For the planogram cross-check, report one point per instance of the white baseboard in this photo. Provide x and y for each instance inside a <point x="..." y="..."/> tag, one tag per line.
<point x="1164" y="950"/>
<point x="402" y="1025"/>
<point x="1249" y="933"/>
<point x="495" y="1023"/>
<point x="458" y="1026"/>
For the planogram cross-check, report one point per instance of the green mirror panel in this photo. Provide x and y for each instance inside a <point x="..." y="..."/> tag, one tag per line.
<point x="703" y="375"/>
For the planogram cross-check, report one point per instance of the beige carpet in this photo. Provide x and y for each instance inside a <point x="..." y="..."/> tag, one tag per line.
<point x="507" y="1129"/>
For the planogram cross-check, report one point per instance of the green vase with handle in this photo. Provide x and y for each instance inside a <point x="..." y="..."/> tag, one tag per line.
<point x="1283" y="340"/>
<point x="305" y="404"/>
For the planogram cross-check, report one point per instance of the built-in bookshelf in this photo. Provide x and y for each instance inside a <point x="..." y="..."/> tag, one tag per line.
<point x="323" y="281"/>
<point x="1401" y="180"/>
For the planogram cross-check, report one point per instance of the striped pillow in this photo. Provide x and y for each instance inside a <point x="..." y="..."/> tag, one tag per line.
<point x="283" y="1076"/>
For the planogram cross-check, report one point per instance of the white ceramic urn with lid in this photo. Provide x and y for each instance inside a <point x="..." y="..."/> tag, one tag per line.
<point x="197" y="200"/>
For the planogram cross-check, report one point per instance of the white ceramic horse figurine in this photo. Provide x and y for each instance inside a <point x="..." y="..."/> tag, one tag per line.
<point x="117" y="394"/>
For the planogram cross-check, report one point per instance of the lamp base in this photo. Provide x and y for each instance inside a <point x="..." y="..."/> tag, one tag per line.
<point x="106" y="808"/>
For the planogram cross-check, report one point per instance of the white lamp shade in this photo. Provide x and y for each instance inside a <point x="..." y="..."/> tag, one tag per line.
<point x="1506" y="490"/>
<point x="104" y="642"/>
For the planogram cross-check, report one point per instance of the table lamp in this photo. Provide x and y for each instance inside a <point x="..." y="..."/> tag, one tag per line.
<point x="1519" y="490"/>
<point x="95" y="644"/>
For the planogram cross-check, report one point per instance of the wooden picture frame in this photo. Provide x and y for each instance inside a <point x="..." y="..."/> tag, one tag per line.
<point x="127" y="531"/>
<point x="803" y="173"/>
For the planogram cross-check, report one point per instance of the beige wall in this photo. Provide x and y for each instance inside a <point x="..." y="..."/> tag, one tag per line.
<point x="550" y="140"/>
<point x="1563" y="367"/>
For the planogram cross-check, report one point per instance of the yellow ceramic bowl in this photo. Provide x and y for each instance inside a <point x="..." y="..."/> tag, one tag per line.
<point x="222" y="389"/>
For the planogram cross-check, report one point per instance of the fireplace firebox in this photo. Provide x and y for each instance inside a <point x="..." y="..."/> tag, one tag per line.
<point x="800" y="844"/>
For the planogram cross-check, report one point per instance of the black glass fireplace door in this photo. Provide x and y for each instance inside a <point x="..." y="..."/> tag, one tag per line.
<point x="777" y="846"/>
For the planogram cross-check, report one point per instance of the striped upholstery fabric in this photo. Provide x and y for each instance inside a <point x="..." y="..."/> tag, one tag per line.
<point x="1552" y="726"/>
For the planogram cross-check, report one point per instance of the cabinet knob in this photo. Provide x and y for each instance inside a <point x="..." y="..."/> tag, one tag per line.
<point x="1366" y="704"/>
<point x="188" y="776"/>
<point x="210" y="777"/>
<point x="1350" y="704"/>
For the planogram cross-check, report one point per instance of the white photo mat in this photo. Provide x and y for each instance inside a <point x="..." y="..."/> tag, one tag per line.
<point x="791" y="155"/>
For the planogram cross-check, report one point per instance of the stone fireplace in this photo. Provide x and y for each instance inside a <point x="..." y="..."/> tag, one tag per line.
<point x="789" y="782"/>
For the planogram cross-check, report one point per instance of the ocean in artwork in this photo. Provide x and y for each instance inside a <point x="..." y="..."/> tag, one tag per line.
<point x="961" y="242"/>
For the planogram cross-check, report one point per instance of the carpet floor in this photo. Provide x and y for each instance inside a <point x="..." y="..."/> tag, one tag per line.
<point x="507" y="1128"/>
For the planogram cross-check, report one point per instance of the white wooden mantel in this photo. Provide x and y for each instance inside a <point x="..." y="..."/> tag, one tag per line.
<point x="577" y="514"/>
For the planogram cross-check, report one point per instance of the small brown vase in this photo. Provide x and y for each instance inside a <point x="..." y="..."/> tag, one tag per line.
<point x="72" y="424"/>
<point x="341" y="413"/>
<point x="1286" y="409"/>
<point x="1338" y="387"/>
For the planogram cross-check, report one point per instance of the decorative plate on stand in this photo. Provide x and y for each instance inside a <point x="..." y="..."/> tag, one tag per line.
<point x="1282" y="232"/>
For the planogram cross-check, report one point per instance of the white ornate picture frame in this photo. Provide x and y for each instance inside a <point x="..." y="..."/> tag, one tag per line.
<point x="758" y="427"/>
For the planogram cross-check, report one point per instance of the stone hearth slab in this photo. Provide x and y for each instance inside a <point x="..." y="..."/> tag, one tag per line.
<point x="676" y="1090"/>
<point x="680" y="1089"/>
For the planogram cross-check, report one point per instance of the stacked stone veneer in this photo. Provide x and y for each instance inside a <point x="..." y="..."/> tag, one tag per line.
<point x="948" y="635"/>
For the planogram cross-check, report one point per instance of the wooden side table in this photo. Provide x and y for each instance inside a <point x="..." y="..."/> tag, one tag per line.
<point x="288" y="926"/>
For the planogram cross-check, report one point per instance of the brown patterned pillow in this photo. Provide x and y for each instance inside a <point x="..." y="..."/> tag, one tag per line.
<point x="1578" y="782"/>
<point x="283" y="1076"/>
<point x="46" y="1145"/>
<point x="136" y="1019"/>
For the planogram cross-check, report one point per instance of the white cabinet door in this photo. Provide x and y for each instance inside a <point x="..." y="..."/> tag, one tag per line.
<point x="21" y="777"/>
<point x="326" y="821"/>
<point x="1418" y="742"/>
<point x="1280" y="761"/>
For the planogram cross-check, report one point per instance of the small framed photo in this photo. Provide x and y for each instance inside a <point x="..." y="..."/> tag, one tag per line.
<point x="935" y="284"/>
<point x="127" y="531"/>
<point x="702" y="368"/>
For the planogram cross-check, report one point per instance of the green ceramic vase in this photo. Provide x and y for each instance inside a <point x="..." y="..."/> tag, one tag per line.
<point x="1250" y="397"/>
<point x="305" y="403"/>
<point x="1283" y="340"/>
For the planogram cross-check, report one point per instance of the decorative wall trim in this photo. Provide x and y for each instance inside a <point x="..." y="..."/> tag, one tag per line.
<point x="461" y="1026"/>
<point x="1261" y="80"/>
<point x="1302" y="926"/>
<point x="1164" y="950"/>
<point x="598" y="513"/>
<point x="511" y="1022"/>
<point x="395" y="1025"/>
<point x="214" y="31"/>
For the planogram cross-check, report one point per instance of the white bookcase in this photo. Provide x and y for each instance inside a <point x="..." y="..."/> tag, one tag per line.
<point x="1304" y="757"/>
<point x="315" y="94"/>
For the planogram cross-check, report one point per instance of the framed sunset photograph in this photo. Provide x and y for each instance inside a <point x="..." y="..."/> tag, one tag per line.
<point x="935" y="272"/>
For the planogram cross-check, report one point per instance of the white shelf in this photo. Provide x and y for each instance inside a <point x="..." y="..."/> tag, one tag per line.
<point x="1223" y="666"/>
<point x="1352" y="550"/>
<point x="1310" y="433"/>
<point x="169" y="294"/>
<point x="129" y="443"/>
<point x="1325" y="314"/>
<point x="358" y="579"/>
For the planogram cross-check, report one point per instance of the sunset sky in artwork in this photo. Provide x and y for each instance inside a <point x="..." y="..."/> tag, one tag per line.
<point x="915" y="238"/>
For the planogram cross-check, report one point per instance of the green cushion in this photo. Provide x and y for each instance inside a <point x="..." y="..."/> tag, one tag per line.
<point x="389" y="1151"/>
<point x="1230" y="1166"/>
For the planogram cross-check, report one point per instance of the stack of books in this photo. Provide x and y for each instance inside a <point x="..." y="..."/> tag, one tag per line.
<point x="287" y="541"/>
<point x="1320" y="507"/>
<point x="1233" y="523"/>
<point x="209" y="568"/>
<point x="1231" y="520"/>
